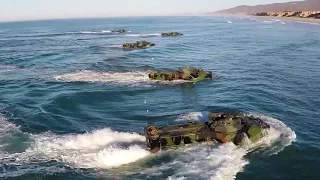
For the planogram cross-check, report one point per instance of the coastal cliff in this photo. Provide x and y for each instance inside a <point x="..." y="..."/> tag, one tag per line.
<point x="297" y="14"/>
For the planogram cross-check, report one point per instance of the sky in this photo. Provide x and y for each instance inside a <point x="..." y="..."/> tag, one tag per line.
<point x="18" y="10"/>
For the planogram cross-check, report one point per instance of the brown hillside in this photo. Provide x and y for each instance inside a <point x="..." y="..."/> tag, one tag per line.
<point x="308" y="5"/>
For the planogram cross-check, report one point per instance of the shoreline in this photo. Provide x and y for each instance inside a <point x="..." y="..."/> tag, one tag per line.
<point x="293" y="19"/>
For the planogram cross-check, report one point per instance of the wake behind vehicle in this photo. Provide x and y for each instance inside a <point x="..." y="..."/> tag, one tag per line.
<point x="220" y="128"/>
<point x="190" y="74"/>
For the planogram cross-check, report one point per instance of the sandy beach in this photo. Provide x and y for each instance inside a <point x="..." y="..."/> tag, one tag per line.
<point x="308" y="20"/>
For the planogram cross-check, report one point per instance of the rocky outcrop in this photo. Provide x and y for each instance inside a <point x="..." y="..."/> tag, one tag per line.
<point x="298" y="14"/>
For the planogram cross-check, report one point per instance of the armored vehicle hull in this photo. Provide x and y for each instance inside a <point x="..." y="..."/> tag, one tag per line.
<point x="138" y="45"/>
<point x="171" y="34"/>
<point x="186" y="73"/>
<point x="119" y="31"/>
<point x="220" y="128"/>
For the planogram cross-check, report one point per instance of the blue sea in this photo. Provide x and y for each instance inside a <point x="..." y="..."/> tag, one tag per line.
<point x="73" y="103"/>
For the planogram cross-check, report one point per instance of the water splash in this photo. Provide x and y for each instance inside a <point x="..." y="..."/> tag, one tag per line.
<point x="103" y="148"/>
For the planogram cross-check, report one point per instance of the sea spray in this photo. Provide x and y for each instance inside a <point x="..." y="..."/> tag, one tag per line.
<point x="102" y="148"/>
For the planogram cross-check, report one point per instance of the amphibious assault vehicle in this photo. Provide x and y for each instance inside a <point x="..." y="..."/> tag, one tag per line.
<point x="186" y="73"/>
<point x="171" y="34"/>
<point x="119" y="31"/>
<point x="138" y="44"/>
<point x="220" y="128"/>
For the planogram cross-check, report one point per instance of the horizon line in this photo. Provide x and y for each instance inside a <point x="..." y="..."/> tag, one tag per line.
<point x="106" y="17"/>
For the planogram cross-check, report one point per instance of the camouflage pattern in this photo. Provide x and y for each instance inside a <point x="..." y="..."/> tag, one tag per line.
<point x="119" y="31"/>
<point x="221" y="128"/>
<point x="187" y="73"/>
<point x="138" y="44"/>
<point x="171" y="34"/>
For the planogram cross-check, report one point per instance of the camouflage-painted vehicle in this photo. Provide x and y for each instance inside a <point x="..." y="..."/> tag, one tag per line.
<point x="171" y="34"/>
<point x="220" y="128"/>
<point x="186" y="73"/>
<point x="119" y="31"/>
<point x="138" y="44"/>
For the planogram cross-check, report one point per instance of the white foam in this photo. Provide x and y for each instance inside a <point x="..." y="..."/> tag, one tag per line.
<point x="131" y="78"/>
<point x="32" y="169"/>
<point x="6" y="126"/>
<point x="115" y="46"/>
<point x="279" y="132"/>
<point x="193" y="116"/>
<point x="92" y="140"/>
<point x="92" y="32"/>
<point x="203" y="161"/>
<point x="92" y="76"/>
<point x="282" y="23"/>
<point x="229" y="22"/>
<point x="268" y="21"/>
<point x="176" y="178"/>
<point x="99" y="149"/>
<point x="6" y="68"/>
<point x="88" y="32"/>
<point x="106" y="158"/>
<point x="142" y="35"/>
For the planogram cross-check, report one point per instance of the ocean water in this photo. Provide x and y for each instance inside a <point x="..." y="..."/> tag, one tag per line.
<point x="73" y="104"/>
